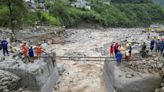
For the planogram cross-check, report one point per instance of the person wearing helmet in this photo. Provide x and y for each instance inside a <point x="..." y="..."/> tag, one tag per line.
<point x="24" y="50"/>
<point x="38" y="50"/>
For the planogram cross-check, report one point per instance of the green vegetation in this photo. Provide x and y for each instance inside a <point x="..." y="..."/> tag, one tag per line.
<point x="121" y="13"/>
<point x="131" y="1"/>
<point x="160" y="2"/>
<point x="16" y="14"/>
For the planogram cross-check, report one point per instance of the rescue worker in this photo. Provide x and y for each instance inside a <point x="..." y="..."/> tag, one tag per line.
<point x="152" y="43"/>
<point x="118" y="57"/>
<point x="4" y="45"/>
<point x="24" y="50"/>
<point x="38" y="50"/>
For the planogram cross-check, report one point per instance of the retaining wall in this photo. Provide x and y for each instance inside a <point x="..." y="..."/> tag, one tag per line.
<point x="116" y="80"/>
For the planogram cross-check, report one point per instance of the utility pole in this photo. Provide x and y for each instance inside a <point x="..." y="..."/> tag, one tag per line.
<point x="11" y="21"/>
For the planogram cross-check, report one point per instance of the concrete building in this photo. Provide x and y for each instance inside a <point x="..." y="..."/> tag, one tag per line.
<point x="82" y="4"/>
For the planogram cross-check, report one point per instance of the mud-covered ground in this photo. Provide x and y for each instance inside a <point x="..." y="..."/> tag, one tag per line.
<point x="83" y="76"/>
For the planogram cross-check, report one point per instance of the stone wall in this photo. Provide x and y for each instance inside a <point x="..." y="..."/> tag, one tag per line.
<point x="118" y="79"/>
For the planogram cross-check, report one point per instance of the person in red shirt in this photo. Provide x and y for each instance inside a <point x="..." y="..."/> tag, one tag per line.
<point x="111" y="50"/>
<point x="116" y="48"/>
<point x="38" y="50"/>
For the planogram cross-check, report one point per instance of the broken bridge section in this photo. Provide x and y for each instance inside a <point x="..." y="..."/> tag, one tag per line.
<point x="123" y="79"/>
<point x="40" y="76"/>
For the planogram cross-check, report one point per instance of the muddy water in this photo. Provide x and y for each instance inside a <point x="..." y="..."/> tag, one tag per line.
<point x="83" y="76"/>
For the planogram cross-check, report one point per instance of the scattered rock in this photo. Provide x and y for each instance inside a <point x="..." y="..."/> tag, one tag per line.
<point x="129" y="75"/>
<point x="157" y="90"/>
<point x="162" y="89"/>
<point x="2" y="59"/>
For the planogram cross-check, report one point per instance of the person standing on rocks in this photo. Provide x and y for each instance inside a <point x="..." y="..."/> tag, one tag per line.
<point x="157" y="45"/>
<point x="116" y="48"/>
<point x="161" y="46"/>
<point x="118" y="57"/>
<point x="31" y="53"/>
<point x="143" y="50"/>
<point x="4" y="45"/>
<point x="111" y="50"/>
<point x="130" y="50"/>
<point x="38" y="50"/>
<point x="152" y="43"/>
<point x="127" y="55"/>
<point x="127" y="52"/>
<point x="120" y="48"/>
<point x="24" y="50"/>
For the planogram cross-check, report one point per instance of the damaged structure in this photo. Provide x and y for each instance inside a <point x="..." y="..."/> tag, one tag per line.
<point x="40" y="76"/>
<point x="124" y="79"/>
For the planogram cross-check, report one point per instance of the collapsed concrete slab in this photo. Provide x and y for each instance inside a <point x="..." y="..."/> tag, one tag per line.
<point x="118" y="80"/>
<point x="39" y="76"/>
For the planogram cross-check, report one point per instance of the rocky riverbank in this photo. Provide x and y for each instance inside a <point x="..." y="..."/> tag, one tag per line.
<point x="83" y="76"/>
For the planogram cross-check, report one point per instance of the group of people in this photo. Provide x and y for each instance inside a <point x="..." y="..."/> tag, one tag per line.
<point x="118" y="50"/>
<point x="27" y="52"/>
<point x="157" y="45"/>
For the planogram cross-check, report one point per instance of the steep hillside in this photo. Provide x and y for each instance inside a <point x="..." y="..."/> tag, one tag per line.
<point x="120" y="13"/>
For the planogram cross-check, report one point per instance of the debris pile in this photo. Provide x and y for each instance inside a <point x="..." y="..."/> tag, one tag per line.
<point x="148" y="65"/>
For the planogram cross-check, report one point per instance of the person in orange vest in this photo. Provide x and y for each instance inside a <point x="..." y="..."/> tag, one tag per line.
<point x="24" y="50"/>
<point x="38" y="50"/>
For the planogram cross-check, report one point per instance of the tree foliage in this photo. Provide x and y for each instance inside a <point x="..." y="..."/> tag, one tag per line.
<point x="121" y="13"/>
<point x="18" y="10"/>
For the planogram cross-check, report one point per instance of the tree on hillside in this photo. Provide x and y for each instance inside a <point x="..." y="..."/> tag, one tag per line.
<point x="15" y="10"/>
<point x="131" y="1"/>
